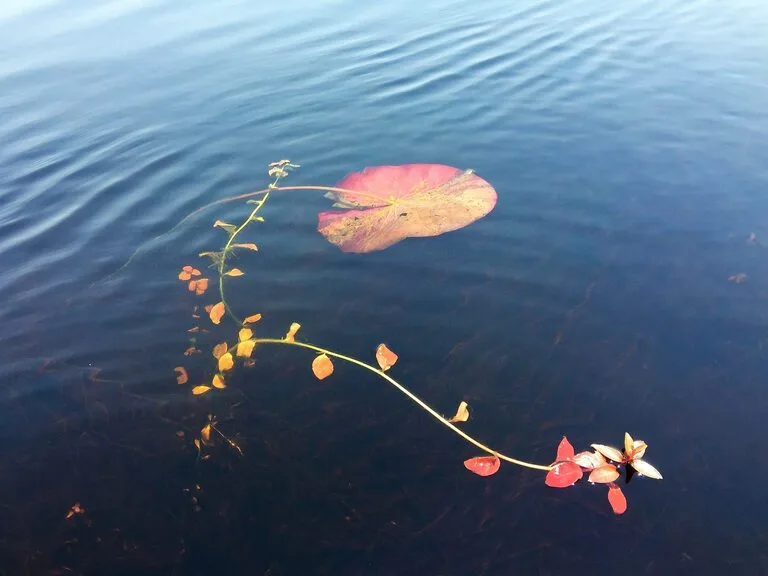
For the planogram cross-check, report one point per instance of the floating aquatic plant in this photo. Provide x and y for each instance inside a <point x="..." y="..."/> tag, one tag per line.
<point x="381" y="206"/>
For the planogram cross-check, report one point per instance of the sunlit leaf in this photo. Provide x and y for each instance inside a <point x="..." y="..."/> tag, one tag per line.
<point x="201" y="286"/>
<point x="218" y="381"/>
<point x="220" y="349"/>
<point x="226" y="362"/>
<point x="563" y="474"/>
<point x="616" y="499"/>
<point x="188" y="268"/>
<point x="184" y="276"/>
<point x="245" y="348"/>
<point x="386" y="204"/>
<point x="385" y="357"/>
<point x="609" y="452"/>
<point x="462" y="413"/>
<point x="192" y="285"/>
<point x="638" y="449"/>
<point x="246" y="246"/>
<point x="322" y="367"/>
<point x="195" y="272"/>
<point x="230" y="228"/>
<point x="234" y="272"/>
<point x="197" y="444"/>
<point x="565" y="450"/>
<point x="589" y="460"/>
<point x="483" y="465"/>
<point x="252" y="319"/>
<point x="217" y="312"/>
<point x="646" y="469"/>
<point x="604" y="474"/>
<point x="290" y="336"/>
<point x="202" y="389"/>
<point x="181" y="375"/>
<point x="244" y="334"/>
<point x="628" y="443"/>
<point x="205" y="433"/>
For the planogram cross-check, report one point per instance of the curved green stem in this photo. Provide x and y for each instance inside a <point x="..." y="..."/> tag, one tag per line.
<point x="431" y="411"/>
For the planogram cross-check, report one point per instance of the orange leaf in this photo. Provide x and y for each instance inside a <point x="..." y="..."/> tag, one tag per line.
<point x="226" y="362"/>
<point x="194" y="329"/>
<point x="218" y="381"/>
<point x="604" y="474"/>
<point x="616" y="499"/>
<point x="181" y="375"/>
<point x="483" y="465"/>
<point x="184" y="276"/>
<point x="195" y="272"/>
<point x="290" y="335"/>
<point x="246" y="246"/>
<point x="462" y="413"/>
<point x="217" y="312"/>
<point x="191" y="350"/>
<point x="208" y="308"/>
<point x="192" y="286"/>
<point x="252" y="319"/>
<point x="322" y="367"/>
<point x="188" y="268"/>
<point x="234" y="272"/>
<point x="245" y="348"/>
<point x="197" y="390"/>
<point x="205" y="433"/>
<point x="385" y="357"/>
<point x="244" y="334"/>
<point x="201" y="286"/>
<point x="220" y="349"/>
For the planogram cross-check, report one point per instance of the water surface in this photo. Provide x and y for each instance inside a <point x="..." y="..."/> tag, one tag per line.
<point x="627" y="144"/>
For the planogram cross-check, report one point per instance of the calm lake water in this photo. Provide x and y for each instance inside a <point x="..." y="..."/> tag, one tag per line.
<point x="627" y="142"/>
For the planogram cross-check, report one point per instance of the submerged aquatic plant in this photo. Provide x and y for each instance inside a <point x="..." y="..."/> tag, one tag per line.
<point x="382" y="206"/>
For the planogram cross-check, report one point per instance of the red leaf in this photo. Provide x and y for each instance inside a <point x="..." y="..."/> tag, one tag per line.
<point x="386" y="204"/>
<point x="563" y="474"/>
<point x="483" y="465"/>
<point x="604" y="474"/>
<point x="565" y="450"/>
<point x="616" y="499"/>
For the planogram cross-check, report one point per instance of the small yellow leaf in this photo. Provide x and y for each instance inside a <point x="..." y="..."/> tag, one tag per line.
<point x="220" y="349"/>
<point x="462" y="413"/>
<point x="217" y="312"/>
<point x="226" y="362"/>
<point x="628" y="443"/>
<point x="197" y="444"/>
<point x="252" y="319"/>
<point x="181" y="375"/>
<point x="202" y="389"/>
<point x="291" y="334"/>
<point x="246" y="246"/>
<point x="205" y="433"/>
<point x="244" y="334"/>
<point x="234" y="272"/>
<point x="218" y="382"/>
<point x="322" y="367"/>
<point x="385" y="357"/>
<point x="245" y="348"/>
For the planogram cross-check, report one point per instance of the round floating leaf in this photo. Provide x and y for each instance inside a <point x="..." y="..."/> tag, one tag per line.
<point x="245" y="348"/>
<point x="252" y="319"/>
<point x="483" y="465"/>
<point x="220" y="349"/>
<point x="226" y="362"/>
<point x="217" y="312"/>
<point x="604" y="474"/>
<point x="218" y="381"/>
<point x="386" y="204"/>
<point x="244" y="334"/>
<point x="202" y="389"/>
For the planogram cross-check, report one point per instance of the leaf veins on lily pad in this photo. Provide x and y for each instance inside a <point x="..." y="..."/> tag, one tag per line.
<point x="387" y="204"/>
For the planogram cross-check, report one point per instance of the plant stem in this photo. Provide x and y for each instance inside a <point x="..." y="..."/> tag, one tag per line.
<point x="431" y="411"/>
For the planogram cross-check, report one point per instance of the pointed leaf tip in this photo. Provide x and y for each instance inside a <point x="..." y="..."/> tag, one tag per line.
<point x="565" y="450"/>
<point x="217" y="312"/>
<point x="646" y="469"/>
<point x="181" y="375"/>
<point x="483" y="465"/>
<point x="609" y="452"/>
<point x="202" y="389"/>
